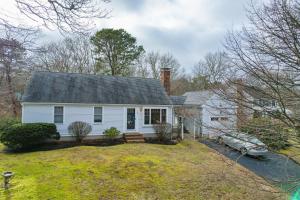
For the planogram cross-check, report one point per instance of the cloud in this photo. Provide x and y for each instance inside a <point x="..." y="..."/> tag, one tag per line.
<point x="130" y="5"/>
<point x="186" y="28"/>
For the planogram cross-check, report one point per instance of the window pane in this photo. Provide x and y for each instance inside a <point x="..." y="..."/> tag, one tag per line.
<point x="97" y="118"/>
<point x="214" y="119"/>
<point x="147" y="116"/>
<point x="58" y="119"/>
<point x="97" y="114"/>
<point x="163" y="115"/>
<point x="98" y="111"/>
<point x="155" y="116"/>
<point x="58" y="110"/>
<point x="58" y="114"/>
<point x="224" y="119"/>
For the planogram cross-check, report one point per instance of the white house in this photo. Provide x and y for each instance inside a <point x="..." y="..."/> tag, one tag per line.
<point x="132" y="105"/>
<point x="207" y="113"/>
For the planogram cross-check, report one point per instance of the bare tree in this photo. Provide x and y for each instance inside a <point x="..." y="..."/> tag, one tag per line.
<point x="153" y="61"/>
<point x="214" y="67"/>
<point x="266" y="56"/>
<point x="268" y="51"/>
<point x="15" y="43"/>
<point x="68" y="55"/>
<point x="77" y="16"/>
<point x="141" y="69"/>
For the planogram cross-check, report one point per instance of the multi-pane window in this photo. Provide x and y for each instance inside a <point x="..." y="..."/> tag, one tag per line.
<point x="97" y="114"/>
<point x="155" y="116"/>
<point x="273" y="103"/>
<point x="219" y="119"/>
<point x="147" y="116"/>
<point x="163" y="115"/>
<point x="214" y="119"/>
<point x="58" y="114"/>
<point x="224" y="118"/>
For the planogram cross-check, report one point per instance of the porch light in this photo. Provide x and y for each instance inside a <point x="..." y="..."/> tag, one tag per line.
<point x="7" y="176"/>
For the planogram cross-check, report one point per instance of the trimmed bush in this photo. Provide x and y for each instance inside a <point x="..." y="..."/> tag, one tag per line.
<point x="5" y="123"/>
<point x="271" y="132"/>
<point x="79" y="130"/>
<point x="111" y="132"/>
<point x="21" y="136"/>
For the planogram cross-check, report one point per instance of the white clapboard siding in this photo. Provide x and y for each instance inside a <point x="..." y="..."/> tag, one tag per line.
<point x="112" y="116"/>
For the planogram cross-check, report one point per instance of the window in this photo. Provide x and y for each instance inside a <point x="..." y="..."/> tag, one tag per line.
<point x="97" y="114"/>
<point x="224" y="118"/>
<point x="155" y="116"/>
<point x="214" y="119"/>
<point x="58" y="114"/>
<point x="147" y="116"/>
<point x="163" y="115"/>
<point x="273" y="103"/>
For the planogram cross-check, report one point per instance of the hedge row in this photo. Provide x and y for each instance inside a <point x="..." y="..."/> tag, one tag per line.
<point x="20" y="136"/>
<point x="5" y="123"/>
<point x="271" y="132"/>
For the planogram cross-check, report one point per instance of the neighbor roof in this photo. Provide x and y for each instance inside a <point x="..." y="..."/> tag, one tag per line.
<point x="178" y="100"/>
<point x="197" y="97"/>
<point x="257" y="92"/>
<point x="52" y="87"/>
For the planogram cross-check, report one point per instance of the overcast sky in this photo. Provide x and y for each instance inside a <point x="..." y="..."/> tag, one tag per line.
<point x="188" y="29"/>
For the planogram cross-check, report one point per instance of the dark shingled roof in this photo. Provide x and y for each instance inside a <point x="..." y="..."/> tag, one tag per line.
<point x="178" y="100"/>
<point x="52" y="87"/>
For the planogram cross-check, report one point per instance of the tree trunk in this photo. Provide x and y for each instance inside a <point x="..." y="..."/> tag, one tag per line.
<point x="11" y="94"/>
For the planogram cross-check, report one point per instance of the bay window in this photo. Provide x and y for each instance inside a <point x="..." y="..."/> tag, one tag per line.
<point x="155" y="116"/>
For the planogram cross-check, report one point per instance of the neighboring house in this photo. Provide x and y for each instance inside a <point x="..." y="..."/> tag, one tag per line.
<point x="207" y="113"/>
<point x="129" y="104"/>
<point x="262" y="104"/>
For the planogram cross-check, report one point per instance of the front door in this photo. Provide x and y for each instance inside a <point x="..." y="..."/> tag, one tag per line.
<point x="130" y="118"/>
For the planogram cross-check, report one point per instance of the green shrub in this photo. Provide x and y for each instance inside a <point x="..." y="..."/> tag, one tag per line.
<point x="271" y="132"/>
<point x="5" y="123"/>
<point x="79" y="130"/>
<point x="20" y="136"/>
<point x="111" y="132"/>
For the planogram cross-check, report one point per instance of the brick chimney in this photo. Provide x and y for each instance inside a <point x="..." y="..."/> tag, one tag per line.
<point x="165" y="79"/>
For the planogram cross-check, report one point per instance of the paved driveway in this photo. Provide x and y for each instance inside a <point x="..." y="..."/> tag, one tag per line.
<point x="273" y="167"/>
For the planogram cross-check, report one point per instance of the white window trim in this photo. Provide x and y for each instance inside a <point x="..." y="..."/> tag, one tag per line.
<point x="62" y="114"/>
<point x="97" y="123"/>
<point x="150" y="108"/>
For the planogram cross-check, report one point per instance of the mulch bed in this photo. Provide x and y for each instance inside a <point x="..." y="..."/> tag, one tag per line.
<point x="68" y="144"/>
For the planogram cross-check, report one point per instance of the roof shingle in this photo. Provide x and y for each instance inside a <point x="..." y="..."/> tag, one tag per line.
<point x="53" y="87"/>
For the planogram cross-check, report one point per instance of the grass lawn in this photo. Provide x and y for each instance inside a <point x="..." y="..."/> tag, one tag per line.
<point x="188" y="170"/>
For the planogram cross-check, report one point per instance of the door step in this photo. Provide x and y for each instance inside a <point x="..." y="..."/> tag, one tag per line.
<point x="134" y="137"/>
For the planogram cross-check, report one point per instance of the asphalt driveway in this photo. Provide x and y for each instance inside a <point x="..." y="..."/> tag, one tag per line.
<point x="273" y="167"/>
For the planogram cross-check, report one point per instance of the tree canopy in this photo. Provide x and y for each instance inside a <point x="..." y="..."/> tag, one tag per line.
<point x="116" y="51"/>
